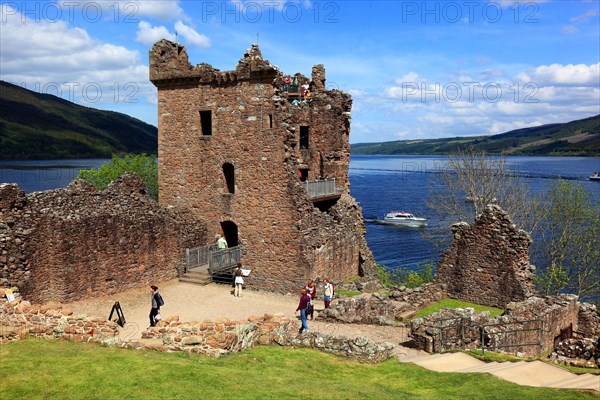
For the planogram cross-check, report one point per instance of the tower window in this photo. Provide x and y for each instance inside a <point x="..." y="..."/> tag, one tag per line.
<point x="205" y="122"/>
<point x="229" y="173"/>
<point x="304" y="137"/>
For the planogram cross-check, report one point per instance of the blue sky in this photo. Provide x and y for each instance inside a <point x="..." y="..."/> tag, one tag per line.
<point x="415" y="69"/>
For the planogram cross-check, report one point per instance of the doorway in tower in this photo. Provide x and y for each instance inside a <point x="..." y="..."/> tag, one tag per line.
<point x="230" y="231"/>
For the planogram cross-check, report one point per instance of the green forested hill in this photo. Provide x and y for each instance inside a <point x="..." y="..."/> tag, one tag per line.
<point x="576" y="138"/>
<point x="43" y="126"/>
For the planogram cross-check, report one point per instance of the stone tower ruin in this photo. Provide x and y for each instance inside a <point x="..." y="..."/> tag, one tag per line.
<point x="261" y="163"/>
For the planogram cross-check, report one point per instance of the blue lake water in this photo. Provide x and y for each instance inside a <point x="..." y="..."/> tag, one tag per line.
<point x="379" y="183"/>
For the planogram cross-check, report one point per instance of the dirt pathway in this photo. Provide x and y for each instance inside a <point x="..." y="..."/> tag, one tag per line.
<point x="197" y="303"/>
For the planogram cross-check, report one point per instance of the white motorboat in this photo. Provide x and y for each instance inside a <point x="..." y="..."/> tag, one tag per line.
<point x="595" y="176"/>
<point x="402" y="218"/>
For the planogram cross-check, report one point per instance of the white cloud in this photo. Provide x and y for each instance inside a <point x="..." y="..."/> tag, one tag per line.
<point x="192" y="38"/>
<point x="149" y="34"/>
<point x="563" y="75"/>
<point x="569" y="29"/>
<point x="129" y="11"/>
<point x="67" y="62"/>
<point x="591" y="13"/>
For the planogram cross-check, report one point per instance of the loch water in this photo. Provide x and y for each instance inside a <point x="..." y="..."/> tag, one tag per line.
<point x="379" y="183"/>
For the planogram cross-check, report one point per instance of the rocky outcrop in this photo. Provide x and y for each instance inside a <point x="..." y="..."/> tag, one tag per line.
<point x="67" y="244"/>
<point x="488" y="262"/>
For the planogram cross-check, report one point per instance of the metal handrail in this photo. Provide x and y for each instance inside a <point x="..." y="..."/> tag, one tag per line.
<point x="321" y="187"/>
<point x="222" y="260"/>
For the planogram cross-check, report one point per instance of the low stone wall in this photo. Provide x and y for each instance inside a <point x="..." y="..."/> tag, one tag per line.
<point x="520" y="330"/>
<point x="20" y="319"/>
<point x="378" y="308"/>
<point x="367" y="308"/>
<point x="220" y="337"/>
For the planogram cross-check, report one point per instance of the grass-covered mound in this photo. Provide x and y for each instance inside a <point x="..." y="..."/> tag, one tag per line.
<point x="453" y="303"/>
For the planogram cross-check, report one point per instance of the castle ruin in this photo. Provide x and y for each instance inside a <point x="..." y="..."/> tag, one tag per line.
<point x="261" y="163"/>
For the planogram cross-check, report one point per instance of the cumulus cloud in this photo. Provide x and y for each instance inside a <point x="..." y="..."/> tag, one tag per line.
<point x="192" y="38"/>
<point x="67" y="62"/>
<point x="149" y="34"/>
<point x="563" y="75"/>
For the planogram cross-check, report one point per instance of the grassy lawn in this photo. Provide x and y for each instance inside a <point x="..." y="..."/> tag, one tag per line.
<point x="453" y="303"/>
<point x="40" y="369"/>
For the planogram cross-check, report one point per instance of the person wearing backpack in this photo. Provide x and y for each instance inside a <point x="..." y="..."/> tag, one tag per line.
<point x="303" y="308"/>
<point x="157" y="302"/>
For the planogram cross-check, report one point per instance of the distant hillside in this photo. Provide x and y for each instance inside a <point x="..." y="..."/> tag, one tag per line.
<point x="576" y="138"/>
<point x="42" y="126"/>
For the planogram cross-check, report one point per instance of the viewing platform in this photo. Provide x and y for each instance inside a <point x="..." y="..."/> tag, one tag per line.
<point x="322" y="190"/>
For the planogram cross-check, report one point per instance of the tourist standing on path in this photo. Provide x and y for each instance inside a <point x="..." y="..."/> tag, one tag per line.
<point x="221" y="243"/>
<point x="311" y="290"/>
<point x="302" y="307"/>
<point x="239" y="281"/>
<point x="328" y="292"/>
<point x="157" y="301"/>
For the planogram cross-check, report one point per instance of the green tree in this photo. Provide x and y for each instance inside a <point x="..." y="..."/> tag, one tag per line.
<point x="141" y="164"/>
<point x="570" y="241"/>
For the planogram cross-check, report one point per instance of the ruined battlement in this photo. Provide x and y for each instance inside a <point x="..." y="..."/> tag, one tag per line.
<point x="237" y="148"/>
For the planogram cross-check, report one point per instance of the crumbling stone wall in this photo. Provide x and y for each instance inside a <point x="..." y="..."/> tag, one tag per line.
<point x="20" y="319"/>
<point x="519" y="330"/>
<point x="223" y="336"/>
<point x="242" y="119"/>
<point x="488" y="262"/>
<point x="66" y="244"/>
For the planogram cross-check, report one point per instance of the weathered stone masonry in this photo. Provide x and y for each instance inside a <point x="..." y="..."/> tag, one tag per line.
<point x="231" y="149"/>
<point x="66" y="244"/>
<point x="488" y="262"/>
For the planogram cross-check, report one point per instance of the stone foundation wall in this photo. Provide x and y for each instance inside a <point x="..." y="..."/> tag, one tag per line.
<point x="462" y="328"/>
<point x="67" y="244"/>
<point x="220" y="337"/>
<point x="20" y="319"/>
<point x="488" y="262"/>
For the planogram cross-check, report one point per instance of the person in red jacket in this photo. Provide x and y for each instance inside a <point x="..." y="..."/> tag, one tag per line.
<point x="311" y="290"/>
<point x="302" y="307"/>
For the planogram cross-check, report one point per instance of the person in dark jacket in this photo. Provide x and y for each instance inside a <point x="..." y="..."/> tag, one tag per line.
<point x="302" y="307"/>
<point x="155" y="305"/>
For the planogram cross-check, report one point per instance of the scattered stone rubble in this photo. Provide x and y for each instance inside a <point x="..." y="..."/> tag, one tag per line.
<point x="578" y="352"/>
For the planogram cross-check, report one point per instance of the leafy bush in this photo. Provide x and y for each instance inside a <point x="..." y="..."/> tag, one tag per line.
<point x="141" y="164"/>
<point x="402" y="276"/>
